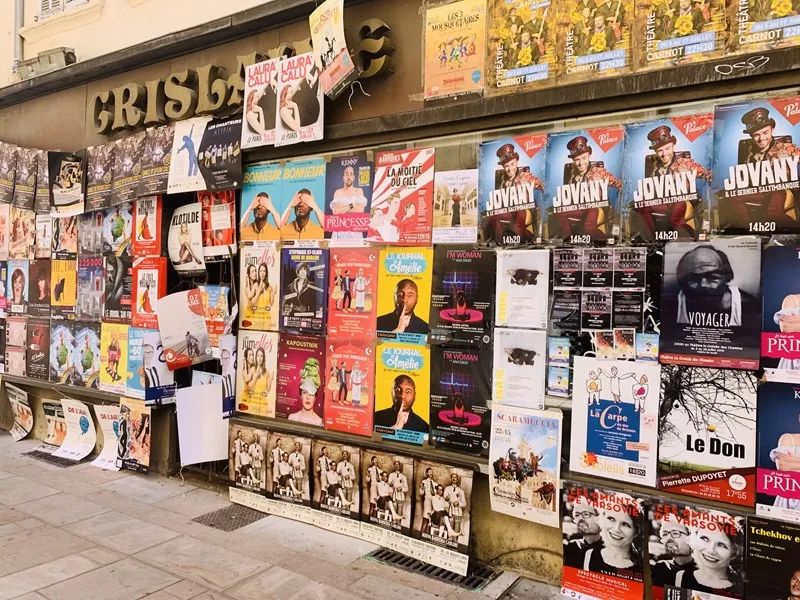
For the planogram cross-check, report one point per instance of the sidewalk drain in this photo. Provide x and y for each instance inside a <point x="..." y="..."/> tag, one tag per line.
<point x="230" y="518"/>
<point x="49" y="458"/>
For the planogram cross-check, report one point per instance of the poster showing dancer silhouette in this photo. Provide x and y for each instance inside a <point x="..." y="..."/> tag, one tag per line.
<point x="337" y="478"/>
<point x="352" y="287"/>
<point x="349" y="380"/>
<point x="260" y="98"/>
<point x="443" y="507"/>
<point x="155" y="160"/>
<point x="113" y="357"/>
<point x="184" y="166"/>
<point x="299" y="113"/>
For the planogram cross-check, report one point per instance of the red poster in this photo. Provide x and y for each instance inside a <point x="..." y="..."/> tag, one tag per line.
<point x="149" y="284"/>
<point x="349" y="384"/>
<point x="218" y="221"/>
<point x="147" y="227"/>
<point x="352" y="288"/>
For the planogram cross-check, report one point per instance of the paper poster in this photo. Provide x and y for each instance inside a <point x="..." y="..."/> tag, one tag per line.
<point x="301" y="363"/>
<point x="261" y="203"/>
<point x="349" y="380"/>
<point x="769" y="573"/>
<point x="23" y="416"/>
<point x="118" y="288"/>
<point x="443" y="508"/>
<point x="205" y="378"/>
<point x="127" y="168"/>
<point x="4" y="291"/>
<point x="615" y="419"/>
<point x="65" y="237"/>
<point x="220" y="155"/>
<point x="41" y="203"/>
<point x="352" y="286"/>
<point x="260" y="100"/>
<point x="247" y="465"/>
<point x="348" y="196"/>
<point x="227" y="362"/>
<point x="299" y="114"/>
<point x="39" y="297"/>
<point x="108" y="419"/>
<point x="66" y="177"/>
<point x="462" y="295"/>
<point x="90" y="232"/>
<point x="387" y="492"/>
<point x="5" y="230"/>
<point x="711" y="292"/>
<point x="707" y="434"/>
<point x="63" y="287"/>
<point x="135" y="429"/>
<point x="62" y="352"/>
<point x="762" y="27"/>
<point x="149" y="277"/>
<point x="8" y="166"/>
<point x="289" y="468"/>
<point x="304" y="279"/>
<point x="215" y="310"/>
<point x="584" y="185"/>
<point x="337" y="470"/>
<point x="780" y="339"/>
<point x="756" y="177"/>
<point x="43" y="245"/>
<point x="86" y="355"/>
<point x="155" y="160"/>
<point x="113" y="357"/>
<point x="159" y="380"/>
<point x="512" y="175"/>
<point x="38" y="348"/>
<point x="402" y="197"/>
<point x="25" y="178"/>
<point x="336" y="68"/>
<point x="22" y="233"/>
<point x="461" y="393"/>
<point x="455" y="207"/>
<point x="597" y="525"/>
<point x="15" y="360"/>
<point x="404" y="291"/>
<point x="17" y="331"/>
<point x="182" y="325"/>
<point x="81" y="435"/>
<point x="402" y="392"/>
<point x="303" y="189"/>
<point x="184" y="166"/>
<point x="519" y="363"/>
<point x="136" y="383"/>
<point x="256" y="372"/>
<point x="146" y="232"/>
<point x="667" y="174"/>
<point x="522" y="288"/>
<point x="118" y="229"/>
<point x="218" y="223"/>
<point x="202" y="432"/>
<point x="259" y="286"/>
<point x="56" y="425"/>
<point x="99" y="175"/>
<point x="185" y="240"/>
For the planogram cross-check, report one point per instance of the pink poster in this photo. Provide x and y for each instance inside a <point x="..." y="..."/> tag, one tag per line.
<point x="301" y="359"/>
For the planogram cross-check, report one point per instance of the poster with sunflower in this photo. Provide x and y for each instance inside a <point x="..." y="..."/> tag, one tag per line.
<point x="761" y="25"/>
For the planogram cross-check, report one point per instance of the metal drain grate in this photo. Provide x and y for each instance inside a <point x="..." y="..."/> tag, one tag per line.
<point x="49" y="458"/>
<point x="230" y="518"/>
<point x="478" y="575"/>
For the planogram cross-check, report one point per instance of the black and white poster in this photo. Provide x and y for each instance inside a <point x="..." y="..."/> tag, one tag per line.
<point x="443" y="510"/>
<point x="66" y="171"/>
<point x="8" y="166"/>
<point x="387" y="492"/>
<point x="523" y="279"/>
<point x="337" y="470"/>
<point x="518" y="377"/>
<point x="288" y="468"/>
<point x="220" y="154"/>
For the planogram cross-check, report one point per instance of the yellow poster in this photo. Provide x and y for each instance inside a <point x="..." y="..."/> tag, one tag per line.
<point x="63" y="286"/>
<point x="259" y="286"/>
<point x="455" y="49"/>
<point x="404" y="294"/>
<point x="113" y="357"/>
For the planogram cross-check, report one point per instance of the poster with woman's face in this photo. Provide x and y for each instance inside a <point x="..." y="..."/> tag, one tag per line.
<point x="299" y="114"/>
<point x="184" y="242"/>
<point x="260" y="98"/>
<point x="17" y="285"/>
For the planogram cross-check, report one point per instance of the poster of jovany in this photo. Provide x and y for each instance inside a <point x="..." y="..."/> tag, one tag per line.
<point x="711" y="295"/>
<point x="299" y="113"/>
<point x="330" y="48"/>
<point x="260" y="99"/>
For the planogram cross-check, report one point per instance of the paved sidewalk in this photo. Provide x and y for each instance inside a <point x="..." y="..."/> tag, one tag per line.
<point x="86" y="534"/>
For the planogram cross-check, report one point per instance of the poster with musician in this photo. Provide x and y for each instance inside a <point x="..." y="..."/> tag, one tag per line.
<point x="182" y="325"/>
<point x="402" y="197"/>
<point x="303" y="191"/>
<point x="511" y="186"/>
<point x="289" y="468"/>
<point x="525" y="463"/>
<point x="707" y="434"/>
<point x="219" y="157"/>
<point x="185" y="240"/>
<point x="146" y="230"/>
<point x="336" y="67"/>
<point x="349" y="379"/>
<point x="348" y="196"/>
<point x="61" y="352"/>
<point x="352" y="286"/>
<point x="756" y="177"/>
<point x="260" y="99"/>
<point x="256" y="370"/>
<point x="41" y="203"/>
<point x="300" y="397"/>
<point x="522" y="288"/>
<point x="299" y="111"/>
<point x="90" y="232"/>
<point x="455" y="207"/>
<point x="38" y="348"/>
<point x="262" y="203"/>
<point x="387" y="490"/>
<point x="520" y="357"/>
<point x="25" y="178"/>
<point x="155" y="160"/>
<point x="443" y="506"/>
<point x="218" y="224"/>
<point x="769" y="573"/>
<point x="259" y="285"/>
<point x="304" y="287"/>
<point x="113" y="357"/>
<point x="127" y="168"/>
<point x="22" y="233"/>
<point x="184" y="166"/>
<point x="118" y="292"/>
<point x="715" y="306"/>
<point x="86" y="355"/>
<point x="135" y="429"/>
<point x="337" y="478"/>
<point x="615" y="419"/>
<point x="455" y="49"/>
<point x="247" y="459"/>
<point x="780" y="337"/>
<point x="8" y="166"/>
<point x="149" y="284"/>
<point x="762" y="27"/>
<point x="39" y="298"/>
<point x="584" y="185"/>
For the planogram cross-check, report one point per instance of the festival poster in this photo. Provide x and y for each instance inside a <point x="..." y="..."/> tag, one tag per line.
<point x="118" y="229"/>
<point x="215" y="309"/>
<point x="600" y="527"/>
<point x="135" y="430"/>
<point x="711" y="293"/>
<point x="667" y="175"/>
<point x="185" y="240"/>
<point x="8" y="167"/>
<point x="404" y="292"/>
<point x="299" y="111"/>
<point x="23" y="415"/>
<point x="336" y="68"/>
<point x="227" y="362"/>
<point x="584" y="185"/>
<point x="25" y="178"/>
<point x="300" y="397"/>
<point x="761" y="26"/>
<point x="127" y="168"/>
<point x="259" y="285"/>
<point x="288" y="468"/>
<point x="348" y="196"/>
<point x="43" y="246"/>
<point x="443" y="505"/>
<point x="780" y="338"/>
<point x="260" y="100"/>
<point x="522" y="282"/>
<point x="149" y="277"/>
<point x="85" y="355"/>
<point x="66" y="178"/>
<point x="337" y="485"/>
<point x="65" y="237"/>
<point x="402" y="392"/>
<point x="303" y="193"/>
<point x="519" y="364"/>
<point x="17" y="286"/>
<point x="402" y="197"/>
<point x="262" y="203"/>
<point x="136" y="384"/>
<point x="108" y="418"/>
<point x="41" y="203"/>
<point x="247" y="465"/>
<point x="118" y="292"/>
<point x="146" y="230"/>
<point x="159" y="380"/>
<point x="90" y="232"/>
<point x="303" y="297"/>
<point x="155" y="160"/>
<point x="525" y="463"/>
<point x="113" y="357"/>
<point x="219" y="157"/>
<point x="81" y="435"/>
<point x="455" y="207"/>
<point x="615" y="419"/>
<point x="771" y="557"/>
<point x="511" y="185"/>
<point x="256" y="371"/>
<point x="22" y="233"/>
<point x="461" y="394"/>
<point x="352" y="285"/>
<point x="63" y="288"/>
<point x="39" y="297"/>
<point x="387" y="490"/>
<point x="184" y="166"/>
<point x="38" y="348"/>
<point x="182" y="325"/>
<point x="707" y="434"/>
<point x="349" y="379"/>
<point x="756" y="176"/>
<point x="218" y="223"/>
<point x="5" y="230"/>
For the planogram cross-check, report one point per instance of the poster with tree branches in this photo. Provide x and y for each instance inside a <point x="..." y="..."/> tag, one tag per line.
<point x="707" y="434"/>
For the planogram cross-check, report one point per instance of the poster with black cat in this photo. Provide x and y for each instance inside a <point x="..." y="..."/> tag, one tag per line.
<point x="220" y="154"/>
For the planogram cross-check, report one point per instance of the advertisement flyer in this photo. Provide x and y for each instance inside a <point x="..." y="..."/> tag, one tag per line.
<point x="455" y="207"/>
<point x="522" y="288"/>
<point x="63" y="288"/>
<point x="256" y="372"/>
<point x="108" y="418"/>
<point x="762" y="27"/>
<point x="85" y="355"/>
<point x="402" y="197"/>
<point x="8" y="165"/>
<point x="134" y="427"/>
<point x="348" y="196"/>
<point x="43" y="246"/>
<point x="667" y="174"/>
<point x="303" y="284"/>
<point x="769" y="573"/>
<point x="387" y="495"/>
<point x="159" y="381"/>
<point x="259" y="285"/>
<point x="780" y="338"/>
<point x="219" y="157"/>
<point x="56" y="425"/>
<point x="155" y="160"/>
<point x="23" y="416"/>
<point x="81" y="434"/>
<point x="262" y="198"/>
<point x="17" y="286"/>
<point x="337" y="488"/>
<point x="227" y="362"/>
<point x="337" y="70"/>
<point x="599" y="527"/>
<point x="66" y="178"/>
<point x="512" y="175"/>
<point x="443" y="509"/>
<point x="90" y="232"/>
<point x="303" y="188"/>
<point x="38" y="348"/>
<point x="299" y="113"/>
<point x="247" y="465"/>
<point x="584" y="185"/>
<point x="41" y="203"/>
<point x="4" y="291"/>
<point x="756" y="176"/>
<point x="149" y="276"/>
<point x="127" y="168"/>
<point x="707" y="434"/>
<point x="289" y="468"/>
<point x="714" y="305"/>
<point x="215" y="310"/>
<point x="185" y="240"/>
<point x="15" y="360"/>
<point x="461" y="398"/>
<point x="25" y="179"/>
<point x="525" y="463"/>
<point x="349" y="379"/>
<point x="118" y="288"/>
<point x="39" y="300"/>
<point x="5" y="230"/>
<point x="218" y="223"/>
<point x="118" y="229"/>
<point x="402" y="392"/>
<point x="260" y="101"/>
<point x="182" y="325"/>
<point x="404" y="292"/>
<point x="136" y="384"/>
<point x="65" y="237"/>
<point x="301" y="360"/>
<point x="184" y="165"/>
<point x="520" y="357"/>
<point x="615" y="419"/>
<point x="22" y="233"/>
<point x="113" y="357"/>
<point x="146" y="238"/>
<point x="462" y="295"/>
<point x="62" y="352"/>
<point x="352" y="283"/>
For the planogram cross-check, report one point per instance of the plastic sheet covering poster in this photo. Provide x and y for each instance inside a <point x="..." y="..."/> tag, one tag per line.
<point x="615" y="419"/>
<point x="299" y="114"/>
<point x="337" y="70"/>
<point x="184" y="167"/>
<point x="349" y="380"/>
<point x="81" y="435"/>
<point x="23" y="416"/>
<point x="108" y="419"/>
<point x="443" y="509"/>
<point x="525" y="463"/>
<point x="135" y="428"/>
<point x="260" y="100"/>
